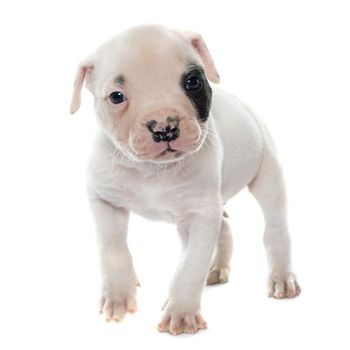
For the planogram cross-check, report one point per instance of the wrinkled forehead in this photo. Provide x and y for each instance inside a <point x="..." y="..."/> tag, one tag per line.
<point x="147" y="56"/>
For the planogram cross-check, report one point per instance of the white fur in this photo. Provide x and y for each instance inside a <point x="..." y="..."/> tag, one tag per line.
<point x="190" y="192"/>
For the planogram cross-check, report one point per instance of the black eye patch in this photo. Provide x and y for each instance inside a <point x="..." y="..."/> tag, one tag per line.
<point x="197" y="89"/>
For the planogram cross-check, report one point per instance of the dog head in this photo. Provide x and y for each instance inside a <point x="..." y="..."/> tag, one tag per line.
<point x="152" y="96"/>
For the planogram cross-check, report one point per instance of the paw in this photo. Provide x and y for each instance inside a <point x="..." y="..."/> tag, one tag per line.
<point x="182" y="323"/>
<point x="283" y="286"/>
<point x="116" y="303"/>
<point x="218" y="275"/>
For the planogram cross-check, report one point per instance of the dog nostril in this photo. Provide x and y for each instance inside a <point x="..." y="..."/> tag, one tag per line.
<point x="175" y="132"/>
<point x="156" y="137"/>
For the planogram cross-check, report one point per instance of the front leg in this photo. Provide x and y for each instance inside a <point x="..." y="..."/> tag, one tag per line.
<point x="181" y="313"/>
<point x="119" y="280"/>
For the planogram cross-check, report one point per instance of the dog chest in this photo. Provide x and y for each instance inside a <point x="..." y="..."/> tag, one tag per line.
<point x="153" y="198"/>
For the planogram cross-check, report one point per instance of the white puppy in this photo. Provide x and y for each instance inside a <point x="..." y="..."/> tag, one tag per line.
<point x="170" y="148"/>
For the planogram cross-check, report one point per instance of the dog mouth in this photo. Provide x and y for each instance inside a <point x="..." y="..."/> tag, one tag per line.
<point x="169" y="150"/>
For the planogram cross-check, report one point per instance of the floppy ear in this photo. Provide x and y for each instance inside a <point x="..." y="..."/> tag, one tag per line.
<point x="85" y="68"/>
<point x="199" y="45"/>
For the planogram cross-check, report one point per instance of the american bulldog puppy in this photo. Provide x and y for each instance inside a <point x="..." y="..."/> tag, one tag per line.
<point x="171" y="147"/>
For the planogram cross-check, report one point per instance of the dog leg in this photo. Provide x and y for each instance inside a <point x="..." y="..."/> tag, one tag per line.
<point x="181" y="313"/>
<point x="268" y="188"/>
<point x="220" y="269"/>
<point x="119" y="280"/>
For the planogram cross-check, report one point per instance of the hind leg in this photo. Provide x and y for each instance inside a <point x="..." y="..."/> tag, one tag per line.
<point x="220" y="268"/>
<point x="268" y="188"/>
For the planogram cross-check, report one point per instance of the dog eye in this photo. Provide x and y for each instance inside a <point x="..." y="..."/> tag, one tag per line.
<point x="193" y="83"/>
<point x="117" y="97"/>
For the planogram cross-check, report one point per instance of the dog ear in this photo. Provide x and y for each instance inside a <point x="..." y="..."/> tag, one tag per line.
<point x="84" y="70"/>
<point x="199" y="45"/>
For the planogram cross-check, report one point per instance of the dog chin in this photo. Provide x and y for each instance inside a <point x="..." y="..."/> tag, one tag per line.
<point x="175" y="157"/>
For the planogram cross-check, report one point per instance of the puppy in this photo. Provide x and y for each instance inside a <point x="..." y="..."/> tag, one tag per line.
<point x="170" y="147"/>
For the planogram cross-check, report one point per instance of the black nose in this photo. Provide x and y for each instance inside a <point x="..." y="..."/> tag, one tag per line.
<point x="166" y="134"/>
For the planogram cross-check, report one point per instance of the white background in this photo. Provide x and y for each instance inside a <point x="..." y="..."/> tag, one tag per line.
<point x="289" y="60"/>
